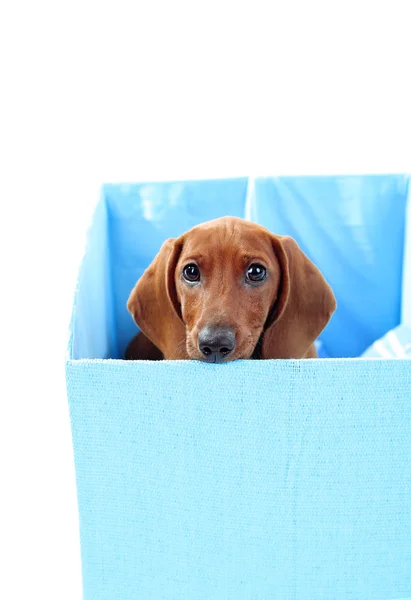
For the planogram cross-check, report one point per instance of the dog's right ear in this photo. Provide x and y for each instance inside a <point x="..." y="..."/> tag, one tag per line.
<point x="304" y="307"/>
<point x="154" y="303"/>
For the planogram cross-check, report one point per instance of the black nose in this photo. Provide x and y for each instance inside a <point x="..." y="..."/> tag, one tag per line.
<point x="216" y="343"/>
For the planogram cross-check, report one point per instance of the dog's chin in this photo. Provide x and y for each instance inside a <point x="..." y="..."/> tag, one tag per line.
<point x="216" y="359"/>
<point x="241" y="354"/>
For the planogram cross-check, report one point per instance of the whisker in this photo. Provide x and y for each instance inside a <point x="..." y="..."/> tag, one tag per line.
<point x="181" y="346"/>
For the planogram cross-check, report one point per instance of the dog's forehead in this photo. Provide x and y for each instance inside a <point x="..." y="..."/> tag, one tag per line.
<point x="228" y="234"/>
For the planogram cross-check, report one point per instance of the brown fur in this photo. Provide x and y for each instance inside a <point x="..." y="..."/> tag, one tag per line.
<point x="280" y="318"/>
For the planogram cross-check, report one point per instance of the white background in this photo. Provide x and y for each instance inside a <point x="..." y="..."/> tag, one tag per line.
<point x="114" y="91"/>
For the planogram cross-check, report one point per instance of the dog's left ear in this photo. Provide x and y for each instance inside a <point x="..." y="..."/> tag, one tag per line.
<point x="304" y="305"/>
<point x="154" y="303"/>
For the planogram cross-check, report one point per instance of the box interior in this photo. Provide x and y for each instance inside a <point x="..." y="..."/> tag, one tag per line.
<point x="352" y="227"/>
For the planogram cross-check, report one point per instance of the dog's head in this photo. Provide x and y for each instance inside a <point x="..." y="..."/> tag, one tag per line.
<point x="230" y="289"/>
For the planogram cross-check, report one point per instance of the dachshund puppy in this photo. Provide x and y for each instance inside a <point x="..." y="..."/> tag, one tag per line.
<point x="229" y="289"/>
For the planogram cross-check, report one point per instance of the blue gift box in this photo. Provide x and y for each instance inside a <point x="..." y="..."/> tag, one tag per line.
<point x="250" y="480"/>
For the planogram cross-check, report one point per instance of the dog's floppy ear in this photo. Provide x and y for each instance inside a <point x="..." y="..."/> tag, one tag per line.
<point x="304" y="305"/>
<point x="154" y="302"/>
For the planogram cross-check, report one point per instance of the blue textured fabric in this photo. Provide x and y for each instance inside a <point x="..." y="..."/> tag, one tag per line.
<point x="254" y="480"/>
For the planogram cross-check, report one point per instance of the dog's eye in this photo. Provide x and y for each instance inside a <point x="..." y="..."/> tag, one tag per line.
<point x="191" y="273"/>
<point x="256" y="272"/>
